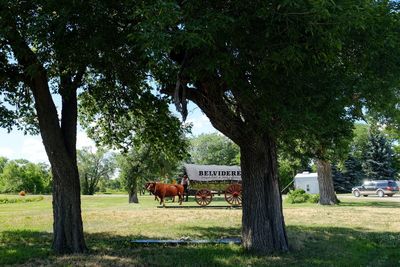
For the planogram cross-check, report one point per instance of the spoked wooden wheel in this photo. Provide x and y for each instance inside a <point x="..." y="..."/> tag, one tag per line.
<point x="203" y="197"/>
<point x="233" y="194"/>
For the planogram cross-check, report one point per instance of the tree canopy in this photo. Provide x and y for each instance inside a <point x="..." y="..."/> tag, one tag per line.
<point x="294" y="72"/>
<point x="50" y="48"/>
<point x="94" y="167"/>
<point x="22" y="175"/>
<point x="214" y="149"/>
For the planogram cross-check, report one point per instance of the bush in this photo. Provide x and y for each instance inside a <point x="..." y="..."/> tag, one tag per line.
<point x="300" y="196"/>
<point x="20" y="200"/>
<point x="314" y="198"/>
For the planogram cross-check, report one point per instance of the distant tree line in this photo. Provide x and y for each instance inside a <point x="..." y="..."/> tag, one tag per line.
<point x="22" y="175"/>
<point x="374" y="155"/>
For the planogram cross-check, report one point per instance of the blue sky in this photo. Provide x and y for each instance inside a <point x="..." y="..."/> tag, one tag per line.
<point x="16" y="145"/>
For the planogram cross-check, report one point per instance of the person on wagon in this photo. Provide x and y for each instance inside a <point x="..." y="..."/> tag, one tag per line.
<point x="185" y="182"/>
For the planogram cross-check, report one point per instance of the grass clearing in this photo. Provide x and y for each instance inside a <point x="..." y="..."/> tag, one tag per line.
<point x="358" y="232"/>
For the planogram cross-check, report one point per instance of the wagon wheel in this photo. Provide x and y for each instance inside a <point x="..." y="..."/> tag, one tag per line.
<point x="233" y="194"/>
<point x="203" y="197"/>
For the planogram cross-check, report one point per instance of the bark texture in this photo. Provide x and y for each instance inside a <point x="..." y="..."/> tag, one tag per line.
<point x="326" y="190"/>
<point x="133" y="197"/>
<point x="59" y="140"/>
<point x="263" y="227"/>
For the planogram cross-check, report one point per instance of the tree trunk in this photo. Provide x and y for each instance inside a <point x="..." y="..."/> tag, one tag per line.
<point x="263" y="227"/>
<point x="59" y="142"/>
<point x="67" y="226"/>
<point x="133" y="197"/>
<point x="327" y="194"/>
<point x="85" y="185"/>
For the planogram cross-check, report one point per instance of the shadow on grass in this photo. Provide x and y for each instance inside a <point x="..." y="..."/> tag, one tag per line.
<point x="22" y="245"/>
<point x="375" y="204"/>
<point x="215" y="232"/>
<point x="309" y="246"/>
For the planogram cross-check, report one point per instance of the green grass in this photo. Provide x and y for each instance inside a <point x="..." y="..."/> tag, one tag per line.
<point x="358" y="232"/>
<point x="19" y="199"/>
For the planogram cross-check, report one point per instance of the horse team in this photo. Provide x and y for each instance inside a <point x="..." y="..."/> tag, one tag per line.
<point x="161" y="191"/>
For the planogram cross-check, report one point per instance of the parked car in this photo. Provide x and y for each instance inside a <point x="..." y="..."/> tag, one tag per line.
<point x="376" y="187"/>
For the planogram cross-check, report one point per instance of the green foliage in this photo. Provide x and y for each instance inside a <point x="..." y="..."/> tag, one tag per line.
<point x="83" y="45"/>
<point x="358" y="145"/>
<point x="111" y="185"/>
<point x="6" y="200"/>
<point x="314" y="198"/>
<point x="3" y="162"/>
<point x="289" y="164"/>
<point x="269" y="60"/>
<point x="352" y="175"/>
<point x="144" y="164"/>
<point x="123" y="122"/>
<point x="300" y="196"/>
<point x="21" y="175"/>
<point x="396" y="163"/>
<point x="93" y="168"/>
<point x="378" y="158"/>
<point x="215" y="149"/>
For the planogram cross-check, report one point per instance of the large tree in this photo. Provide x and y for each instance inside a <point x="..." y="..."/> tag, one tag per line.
<point x="273" y="71"/>
<point x="94" y="167"/>
<point x="144" y="163"/>
<point x="378" y="158"/>
<point x="50" y="48"/>
<point x="22" y="175"/>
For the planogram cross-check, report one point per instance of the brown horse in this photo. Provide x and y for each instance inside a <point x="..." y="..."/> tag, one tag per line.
<point x="161" y="191"/>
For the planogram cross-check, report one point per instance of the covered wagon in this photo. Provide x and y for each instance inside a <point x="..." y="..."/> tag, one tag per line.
<point x="207" y="180"/>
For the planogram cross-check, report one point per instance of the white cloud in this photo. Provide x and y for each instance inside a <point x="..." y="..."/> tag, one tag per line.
<point x="201" y="124"/>
<point x="6" y="152"/>
<point x="82" y="140"/>
<point x="33" y="150"/>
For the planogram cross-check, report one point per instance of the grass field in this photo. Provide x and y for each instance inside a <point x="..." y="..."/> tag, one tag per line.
<point x="358" y="232"/>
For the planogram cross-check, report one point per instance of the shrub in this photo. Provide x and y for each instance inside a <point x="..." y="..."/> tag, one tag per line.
<point x="20" y="200"/>
<point x="297" y="196"/>
<point x="314" y="198"/>
<point x="300" y="196"/>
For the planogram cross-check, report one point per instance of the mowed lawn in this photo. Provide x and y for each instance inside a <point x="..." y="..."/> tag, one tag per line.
<point x="358" y="232"/>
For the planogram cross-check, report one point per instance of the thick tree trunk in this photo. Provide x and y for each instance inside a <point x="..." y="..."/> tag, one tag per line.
<point x="327" y="194"/>
<point x="67" y="226"/>
<point x="263" y="227"/>
<point x="59" y="142"/>
<point x="133" y="198"/>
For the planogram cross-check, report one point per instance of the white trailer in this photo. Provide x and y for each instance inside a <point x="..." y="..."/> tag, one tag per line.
<point x="307" y="181"/>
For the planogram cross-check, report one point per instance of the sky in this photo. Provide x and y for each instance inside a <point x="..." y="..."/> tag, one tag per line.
<point x="16" y="145"/>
